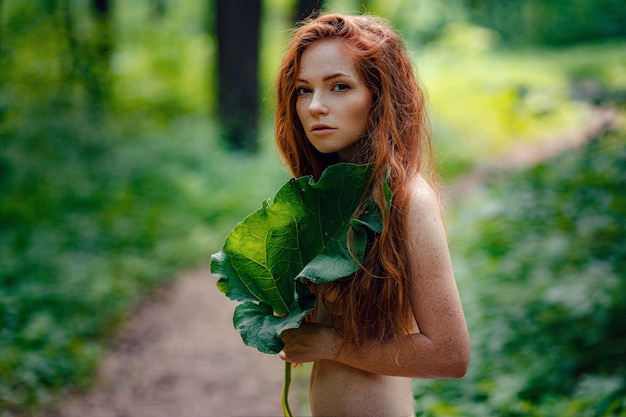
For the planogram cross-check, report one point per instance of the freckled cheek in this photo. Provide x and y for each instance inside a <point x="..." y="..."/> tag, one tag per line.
<point x="360" y="111"/>
<point x="301" y="114"/>
<point x="359" y="117"/>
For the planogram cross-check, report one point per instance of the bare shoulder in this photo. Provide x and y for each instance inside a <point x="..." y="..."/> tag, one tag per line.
<point x="424" y="201"/>
<point x="425" y="225"/>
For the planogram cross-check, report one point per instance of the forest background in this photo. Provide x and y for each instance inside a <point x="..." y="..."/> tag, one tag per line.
<point x="120" y="165"/>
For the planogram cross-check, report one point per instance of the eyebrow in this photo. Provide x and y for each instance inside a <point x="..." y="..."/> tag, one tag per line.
<point x="328" y="77"/>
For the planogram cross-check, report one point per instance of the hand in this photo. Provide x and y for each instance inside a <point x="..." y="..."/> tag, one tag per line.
<point x="309" y="342"/>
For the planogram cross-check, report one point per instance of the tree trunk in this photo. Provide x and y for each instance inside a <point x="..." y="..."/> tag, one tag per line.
<point x="98" y="77"/>
<point x="238" y="26"/>
<point x="1" y="29"/>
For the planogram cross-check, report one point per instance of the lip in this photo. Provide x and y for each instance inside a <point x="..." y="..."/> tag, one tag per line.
<point x="319" y="129"/>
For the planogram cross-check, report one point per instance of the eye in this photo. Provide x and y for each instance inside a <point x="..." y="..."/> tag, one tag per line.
<point x="340" y="87"/>
<point x="302" y="90"/>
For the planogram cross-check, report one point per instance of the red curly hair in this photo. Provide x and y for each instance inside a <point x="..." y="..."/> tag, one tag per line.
<point x="375" y="304"/>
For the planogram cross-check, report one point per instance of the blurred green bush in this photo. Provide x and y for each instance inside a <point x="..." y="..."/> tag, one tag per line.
<point x="554" y="22"/>
<point x="485" y="98"/>
<point x="541" y="262"/>
<point x="92" y="218"/>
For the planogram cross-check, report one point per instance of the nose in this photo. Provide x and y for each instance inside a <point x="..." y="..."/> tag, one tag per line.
<point x="318" y="105"/>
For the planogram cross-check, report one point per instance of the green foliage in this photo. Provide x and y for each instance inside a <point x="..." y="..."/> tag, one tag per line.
<point x="99" y="207"/>
<point x="90" y="220"/>
<point x="543" y="272"/>
<point x="303" y="235"/>
<point x="420" y="22"/>
<point x="483" y="98"/>
<point x="550" y="22"/>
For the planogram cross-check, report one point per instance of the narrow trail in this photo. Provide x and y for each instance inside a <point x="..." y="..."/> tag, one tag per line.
<point x="178" y="355"/>
<point x="526" y="154"/>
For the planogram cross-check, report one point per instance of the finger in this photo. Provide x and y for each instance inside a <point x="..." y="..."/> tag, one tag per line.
<point x="285" y="334"/>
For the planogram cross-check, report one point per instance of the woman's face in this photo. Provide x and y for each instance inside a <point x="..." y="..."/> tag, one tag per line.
<point x="333" y="102"/>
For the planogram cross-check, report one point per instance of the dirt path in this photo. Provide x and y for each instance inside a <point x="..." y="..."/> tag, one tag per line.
<point x="179" y="356"/>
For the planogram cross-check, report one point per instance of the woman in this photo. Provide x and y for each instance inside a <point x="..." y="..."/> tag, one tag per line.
<point x="347" y="93"/>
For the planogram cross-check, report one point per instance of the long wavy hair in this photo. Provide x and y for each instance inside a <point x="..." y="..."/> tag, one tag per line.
<point x="374" y="305"/>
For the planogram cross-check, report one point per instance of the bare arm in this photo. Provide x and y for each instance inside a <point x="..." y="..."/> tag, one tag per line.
<point x="441" y="348"/>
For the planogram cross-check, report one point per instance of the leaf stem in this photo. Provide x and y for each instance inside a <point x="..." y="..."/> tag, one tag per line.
<point x="285" y="395"/>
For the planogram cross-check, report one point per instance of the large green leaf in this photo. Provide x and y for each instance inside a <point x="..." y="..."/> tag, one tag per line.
<point x="303" y="235"/>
